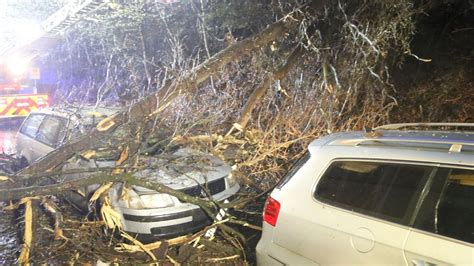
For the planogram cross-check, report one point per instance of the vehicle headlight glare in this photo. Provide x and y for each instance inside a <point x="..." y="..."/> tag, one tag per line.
<point x="159" y="200"/>
<point x="134" y="202"/>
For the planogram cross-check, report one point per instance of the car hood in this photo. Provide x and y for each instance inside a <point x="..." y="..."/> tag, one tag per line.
<point x="183" y="169"/>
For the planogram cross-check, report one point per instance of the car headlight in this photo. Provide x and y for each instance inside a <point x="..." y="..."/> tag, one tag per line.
<point x="158" y="200"/>
<point x="134" y="201"/>
<point x="232" y="180"/>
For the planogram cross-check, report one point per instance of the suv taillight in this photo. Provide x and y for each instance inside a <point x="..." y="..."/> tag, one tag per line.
<point x="271" y="210"/>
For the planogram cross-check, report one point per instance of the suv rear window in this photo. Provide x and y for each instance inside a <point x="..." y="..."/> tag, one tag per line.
<point x="384" y="190"/>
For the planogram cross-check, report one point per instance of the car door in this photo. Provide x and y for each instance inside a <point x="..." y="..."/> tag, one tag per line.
<point x="26" y="143"/>
<point x="444" y="228"/>
<point x="359" y="213"/>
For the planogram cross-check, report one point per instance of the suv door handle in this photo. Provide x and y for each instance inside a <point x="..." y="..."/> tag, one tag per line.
<point x="416" y="262"/>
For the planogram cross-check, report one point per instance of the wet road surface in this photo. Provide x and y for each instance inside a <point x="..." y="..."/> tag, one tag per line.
<point x="7" y="141"/>
<point x="8" y="129"/>
<point x="9" y="242"/>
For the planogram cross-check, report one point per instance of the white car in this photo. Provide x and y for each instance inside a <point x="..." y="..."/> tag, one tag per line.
<point x="47" y="129"/>
<point x="402" y="194"/>
<point x="145" y="214"/>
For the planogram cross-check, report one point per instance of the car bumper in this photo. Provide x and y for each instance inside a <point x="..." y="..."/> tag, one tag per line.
<point x="149" y="225"/>
<point x="269" y="253"/>
<point x="156" y="227"/>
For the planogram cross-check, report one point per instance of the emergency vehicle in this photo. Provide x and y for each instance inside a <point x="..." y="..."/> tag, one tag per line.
<point x="18" y="92"/>
<point x="23" y="89"/>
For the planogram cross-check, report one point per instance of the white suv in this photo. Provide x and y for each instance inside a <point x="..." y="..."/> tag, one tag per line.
<point x="146" y="214"/>
<point x="399" y="194"/>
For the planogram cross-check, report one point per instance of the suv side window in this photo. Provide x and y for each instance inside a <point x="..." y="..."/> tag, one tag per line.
<point x="31" y="125"/>
<point x="52" y="131"/>
<point x="384" y="190"/>
<point x="448" y="208"/>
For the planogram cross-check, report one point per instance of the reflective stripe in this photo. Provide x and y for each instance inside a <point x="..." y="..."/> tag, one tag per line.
<point x="21" y="105"/>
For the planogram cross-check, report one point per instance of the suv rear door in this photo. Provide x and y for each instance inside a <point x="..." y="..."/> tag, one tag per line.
<point x="359" y="213"/>
<point x="444" y="227"/>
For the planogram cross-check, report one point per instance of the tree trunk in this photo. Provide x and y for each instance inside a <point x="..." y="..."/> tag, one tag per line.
<point x="260" y="91"/>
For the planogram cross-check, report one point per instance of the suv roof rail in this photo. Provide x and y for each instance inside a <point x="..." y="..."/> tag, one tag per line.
<point x="469" y="127"/>
<point x="454" y="144"/>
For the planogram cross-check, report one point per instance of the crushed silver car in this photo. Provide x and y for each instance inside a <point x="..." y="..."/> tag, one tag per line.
<point x="148" y="214"/>
<point x="144" y="213"/>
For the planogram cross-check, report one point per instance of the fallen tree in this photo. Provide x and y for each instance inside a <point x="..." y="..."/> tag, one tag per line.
<point x="271" y="120"/>
<point x="145" y="109"/>
<point x="136" y="119"/>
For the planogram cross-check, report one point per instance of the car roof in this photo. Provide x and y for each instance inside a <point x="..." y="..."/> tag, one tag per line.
<point x="87" y="110"/>
<point x="451" y="143"/>
<point x="85" y="114"/>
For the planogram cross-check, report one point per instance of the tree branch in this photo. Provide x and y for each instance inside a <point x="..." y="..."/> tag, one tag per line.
<point x="157" y="102"/>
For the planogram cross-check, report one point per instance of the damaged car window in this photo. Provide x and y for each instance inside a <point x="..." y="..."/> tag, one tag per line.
<point x="31" y="125"/>
<point x="52" y="131"/>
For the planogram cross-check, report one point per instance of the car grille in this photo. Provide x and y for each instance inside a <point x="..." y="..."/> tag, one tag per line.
<point x="213" y="187"/>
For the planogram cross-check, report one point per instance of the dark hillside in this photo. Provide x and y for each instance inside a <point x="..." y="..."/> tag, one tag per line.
<point x="442" y="89"/>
